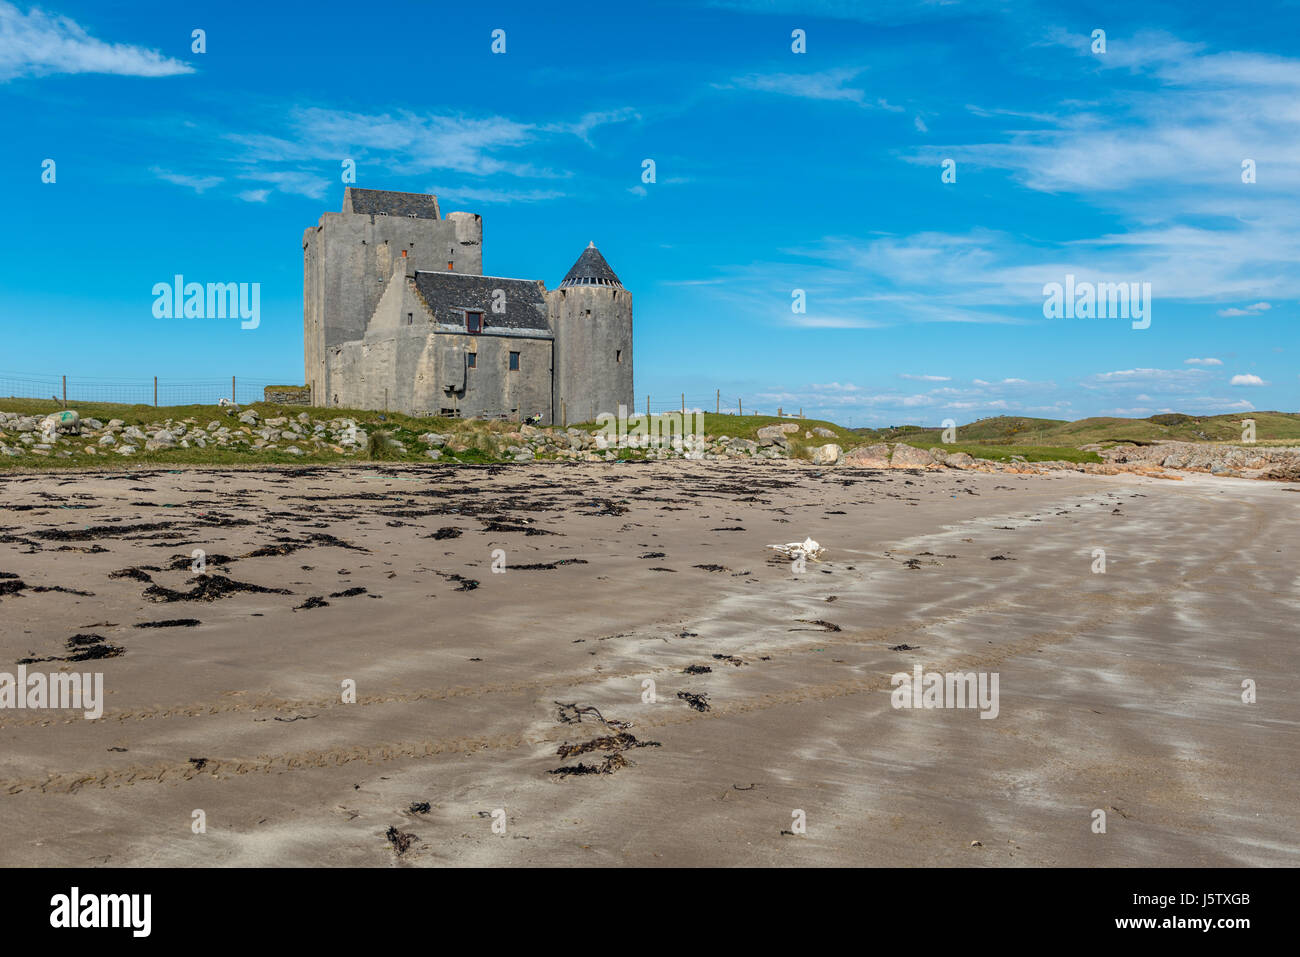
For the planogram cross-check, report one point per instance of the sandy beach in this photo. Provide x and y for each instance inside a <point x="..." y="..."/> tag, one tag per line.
<point x="1120" y="691"/>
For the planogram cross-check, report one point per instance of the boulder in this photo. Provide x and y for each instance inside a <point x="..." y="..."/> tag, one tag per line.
<point x="162" y="439"/>
<point x="908" y="457"/>
<point x="958" y="460"/>
<point x="826" y="455"/>
<point x="868" y="456"/>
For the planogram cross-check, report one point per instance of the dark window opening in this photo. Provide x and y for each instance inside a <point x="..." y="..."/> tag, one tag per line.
<point x="473" y="323"/>
<point x="618" y="355"/>
<point x="471" y="360"/>
<point x="410" y="318"/>
<point x="514" y="362"/>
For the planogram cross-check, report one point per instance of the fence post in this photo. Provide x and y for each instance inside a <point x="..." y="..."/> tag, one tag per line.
<point x="232" y="390"/>
<point x="717" y="406"/>
<point x="65" y="392"/>
<point x="740" y="407"/>
<point x="780" y="413"/>
<point x="155" y="392"/>
<point x="683" y="404"/>
<point x="647" y="408"/>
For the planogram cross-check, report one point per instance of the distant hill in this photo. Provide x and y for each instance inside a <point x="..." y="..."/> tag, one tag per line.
<point x="1022" y="430"/>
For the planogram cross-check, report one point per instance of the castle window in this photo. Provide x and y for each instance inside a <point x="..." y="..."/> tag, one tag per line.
<point x="473" y="322"/>
<point x="514" y="362"/>
<point x="471" y="360"/>
<point x="410" y="318"/>
<point x="618" y="355"/>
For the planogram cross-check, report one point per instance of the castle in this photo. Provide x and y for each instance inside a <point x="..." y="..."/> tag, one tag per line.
<point x="397" y="314"/>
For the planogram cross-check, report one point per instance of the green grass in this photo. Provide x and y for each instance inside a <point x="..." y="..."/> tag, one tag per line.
<point x="1270" y="427"/>
<point x="1030" y="453"/>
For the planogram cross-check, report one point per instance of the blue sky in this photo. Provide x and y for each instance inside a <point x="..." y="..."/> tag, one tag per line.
<point x="775" y="171"/>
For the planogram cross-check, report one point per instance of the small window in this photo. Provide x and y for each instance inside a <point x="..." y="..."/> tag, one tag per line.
<point x="410" y="318"/>
<point x="471" y="360"/>
<point x="618" y="355"/>
<point x="514" y="362"/>
<point x="473" y="323"/>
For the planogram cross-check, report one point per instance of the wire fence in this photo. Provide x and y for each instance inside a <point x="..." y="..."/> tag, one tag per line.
<point x="716" y="403"/>
<point x="160" y="391"/>
<point x="152" y="391"/>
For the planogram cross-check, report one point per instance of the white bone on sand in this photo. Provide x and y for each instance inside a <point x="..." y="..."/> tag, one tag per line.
<point x="805" y="549"/>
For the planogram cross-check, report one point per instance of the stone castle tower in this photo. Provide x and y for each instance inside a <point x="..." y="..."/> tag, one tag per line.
<point x="397" y="314"/>
<point x="591" y="315"/>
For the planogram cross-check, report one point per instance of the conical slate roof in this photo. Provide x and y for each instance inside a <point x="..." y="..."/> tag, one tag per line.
<point x="591" y="270"/>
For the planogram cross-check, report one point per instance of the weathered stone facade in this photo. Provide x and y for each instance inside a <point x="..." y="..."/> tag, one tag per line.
<point x="397" y="314"/>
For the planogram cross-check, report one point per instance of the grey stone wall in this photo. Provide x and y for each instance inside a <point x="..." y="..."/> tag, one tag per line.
<point x="287" y="395"/>
<point x="347" y="260"/>
<point x="593" y="351"/>
<point x="405" y="362"/>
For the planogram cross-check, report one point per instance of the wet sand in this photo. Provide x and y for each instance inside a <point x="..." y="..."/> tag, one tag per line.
<point x="1118" y="691"/>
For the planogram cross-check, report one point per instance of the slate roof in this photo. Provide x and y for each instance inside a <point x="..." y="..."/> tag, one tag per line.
<point x="418" y="205"/>
<point x="591" y="270"/>
<point x="448" y="295"/>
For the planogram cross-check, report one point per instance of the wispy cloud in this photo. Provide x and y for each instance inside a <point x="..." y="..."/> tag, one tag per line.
<point x="197" y="183"/>
<point x="496" y="197"/>
<point x="37" y="43"/>
<point x="1255" y="310"/>
<point x="824" y="85"/>
<point x="1247" y="379"/>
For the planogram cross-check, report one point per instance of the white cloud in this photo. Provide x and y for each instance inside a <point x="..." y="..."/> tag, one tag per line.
<point x="254" y="195"/>
<point x="920" y="125"/>
<point x="1254" y="310"/>
<point x="298" y="182"/>
<point x="825" y="85"/>
<point x="40" y="44"/>
<point x="497" y="196"/>
<point x="925" y="378"/>
<point x="1204" y="362"/>
<point x="196" y="183"/>
<point x="1247" y="379"/>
